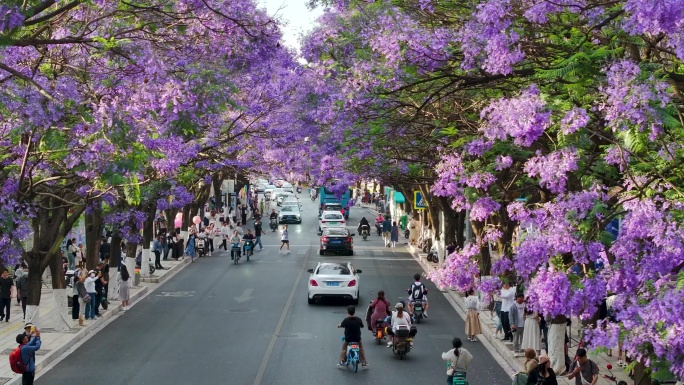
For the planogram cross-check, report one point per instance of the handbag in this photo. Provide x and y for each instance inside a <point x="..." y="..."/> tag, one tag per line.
<point x="86" y="298"/>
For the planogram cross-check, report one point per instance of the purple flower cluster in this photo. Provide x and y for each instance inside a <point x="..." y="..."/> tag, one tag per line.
<point x="524" y="118"/>
<point x="574" y="120"/>
<point x="483" y="208"/>
<point x="553" y="169"/>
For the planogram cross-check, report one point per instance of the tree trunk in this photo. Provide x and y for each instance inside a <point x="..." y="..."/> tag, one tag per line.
<point x="556" y="345"/>
<point x="450" y="221"/>
<point x="93" y="233"/>
<point x="35" y="286"/>
<point x="217" y="180"/>
<point x="485" y="260"/>
<point x="460" y="228"/>
<point x="57" y="318"/>
<point x="113" y="292"/>
<point x="148" y="237"/>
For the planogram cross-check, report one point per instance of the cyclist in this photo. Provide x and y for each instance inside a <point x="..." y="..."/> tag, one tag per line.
<point x="248" y="239"/>
<point x="352" y="333"/>
<point x="418" y="291"/>
<point x="235" y="239"/>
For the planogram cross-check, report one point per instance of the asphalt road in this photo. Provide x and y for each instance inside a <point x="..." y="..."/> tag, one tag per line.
<point x="217" y="323"/>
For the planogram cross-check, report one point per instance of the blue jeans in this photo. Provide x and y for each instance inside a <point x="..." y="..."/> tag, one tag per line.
<point x="257" y="241"/>
<point x="72" y="261"/>
<point x="497" y="310"/>
<point x="90" y="306"/>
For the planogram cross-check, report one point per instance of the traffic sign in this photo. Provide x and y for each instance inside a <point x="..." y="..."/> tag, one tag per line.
<point x="418" y="201"/>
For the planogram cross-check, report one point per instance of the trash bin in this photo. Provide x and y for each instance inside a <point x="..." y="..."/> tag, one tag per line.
<point x="136" y="277"/>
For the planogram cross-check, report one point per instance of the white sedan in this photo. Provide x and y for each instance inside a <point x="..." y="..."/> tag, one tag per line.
<point x="331" y="219"/>
<point x="334" y="280"/>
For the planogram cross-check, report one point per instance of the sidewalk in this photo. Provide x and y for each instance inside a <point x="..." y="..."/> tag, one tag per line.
<point x="55" y="344"/>
<point x="505" y="349"/>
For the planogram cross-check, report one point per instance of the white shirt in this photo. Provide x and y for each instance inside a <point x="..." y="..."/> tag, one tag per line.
<point x="404" y="320"/>
<point x="225" y="231"/>
<point x="283" y="235"/>
<point x="471" y="303"/>
<point x="507" y="298"/>
<point x="459" y="363"/>
<point x="90" y="284"/>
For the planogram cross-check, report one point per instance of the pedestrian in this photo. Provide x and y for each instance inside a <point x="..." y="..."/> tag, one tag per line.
<point x="18" y="273"/>
<point x="190" y="248"/>
<point x="29" y="344"/>
<point x="105" y="248"/>
<point x="71" y="254"/>
<point x="261" y="205"/>
<point x="6" y="294"/>
<point x="92" y="293"/>
<point x="532" y="337"/>
<point x="386" y="230"/>
<point x="284" y="240"/>
<point x="243" y="213"/>
<point x="381" y="309"/>
<point x="225" y="234"/>
<point x="258" y="231"/>
<point x="83" y="297"/>
<point x="497" y="311"/>
<point x="80" y="256"/>
<point x="531" y="362"/>
<point x="158" y="249"/>
<point x="124" y="285"/>
<point x="23" y="289"/>
<point x="543" y="374"/>
<point x="457" y="359"/>
<point x="165" y="246"/>
<point x="472" y="327"/>
<point x="584" y="370"/>
<point x="352" y="333"/>
<point x="394" y="234"/>
<point x="100" y="289"/>
<point x="507" y="295"/>
<point x="516" y="317"/>
<point x="75" y="308"/>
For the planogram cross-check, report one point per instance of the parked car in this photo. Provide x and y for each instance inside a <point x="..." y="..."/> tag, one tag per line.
<point x="289" y="214"/>
<point x="334" y="280"/>
<point x="331" y="219"/>
<point x="336" y="240"/>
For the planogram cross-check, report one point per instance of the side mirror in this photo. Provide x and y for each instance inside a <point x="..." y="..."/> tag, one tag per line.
<point x="310" y="271"/>
<point x="358" y="271"/>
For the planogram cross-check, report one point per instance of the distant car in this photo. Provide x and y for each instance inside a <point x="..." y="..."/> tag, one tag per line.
<point x="275" y="192"/>
<point x="331" y="219"/>
<point x="289" y="214"/>
<point x="282" y="196"/>
<point x="268" y="190"/>
<point x="334" y="280"/>
<point x="291" y="202"/>
<point x="331" y="206"/>
<point x="336" y="240"/>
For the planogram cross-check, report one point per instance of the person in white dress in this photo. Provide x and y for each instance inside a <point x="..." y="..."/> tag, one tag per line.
<point x="532" y="334"/>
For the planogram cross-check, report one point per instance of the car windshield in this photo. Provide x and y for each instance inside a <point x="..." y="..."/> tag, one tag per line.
<point x="333" y="216"/>
<point x="333" y="207"/>
<point x="288" y="209"/>
<point x="333" y="269"/>
<point x="291" y="203"/>
<point x="336" y="232"/>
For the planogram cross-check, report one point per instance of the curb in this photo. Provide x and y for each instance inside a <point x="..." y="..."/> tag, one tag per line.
<point x="80" y="335"/>
<point x="508" y="361"/>
<point x="170" y="273"/>
<point x="87" y="331"/>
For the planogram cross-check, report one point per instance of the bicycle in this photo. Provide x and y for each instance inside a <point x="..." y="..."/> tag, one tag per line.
<point x="248" y="250"/>
<point x="352" y="355"/>
<point x="235" y="253"/>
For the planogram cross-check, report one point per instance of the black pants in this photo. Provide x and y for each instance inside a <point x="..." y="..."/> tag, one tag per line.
<point x="210" y="244"/>
<point x="5" y="307"/>
<point x="224" y="244"/>
<point x="27" y="378"/>
<point x="506" y="324"/>
<point x="157" y="262"/>
<point x="98" y="302"/>
<point x="23" y="305"/>
<point x="75" y="307"/>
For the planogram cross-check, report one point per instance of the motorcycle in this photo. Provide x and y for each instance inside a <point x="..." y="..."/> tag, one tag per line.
<point x="365" y="231"/>
<point x="299" y="190"/>
<point x="380" y="326"/>
<point x="273" y="224"/>
<point x="138" y="263"/>
<point x="401" y="343"/>
<point x="378" y="227"/>
<point x="418" y="311"/>
<point x="432" y="255"/>
<point x="235" y="253"/>
<point x="200" y="246"/>
<point x="249" y="250"/>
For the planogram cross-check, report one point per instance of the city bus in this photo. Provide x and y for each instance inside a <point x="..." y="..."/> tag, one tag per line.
<point x="326" y="196"/>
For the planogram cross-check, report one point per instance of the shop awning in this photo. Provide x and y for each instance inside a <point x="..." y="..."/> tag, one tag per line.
<point x="399" y="197"/>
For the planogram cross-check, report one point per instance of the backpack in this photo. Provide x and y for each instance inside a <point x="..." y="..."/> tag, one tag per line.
<point x="16" y="363"/>
<point x="417" y="292"/>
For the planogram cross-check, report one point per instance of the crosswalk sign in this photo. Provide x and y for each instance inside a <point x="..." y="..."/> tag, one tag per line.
<point x="418" y="201"/>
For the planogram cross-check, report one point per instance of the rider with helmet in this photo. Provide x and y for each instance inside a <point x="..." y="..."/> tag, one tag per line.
<point x="363" y="222"/>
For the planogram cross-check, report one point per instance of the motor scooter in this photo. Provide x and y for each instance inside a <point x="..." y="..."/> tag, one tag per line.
<point x="299" y="189"/>
<point x="378" y="227"/>
<point x="401" y="343"/>
<point x="273" y="224"/>
<point x="365" y="231"/>
<point x="418" y="310"/>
